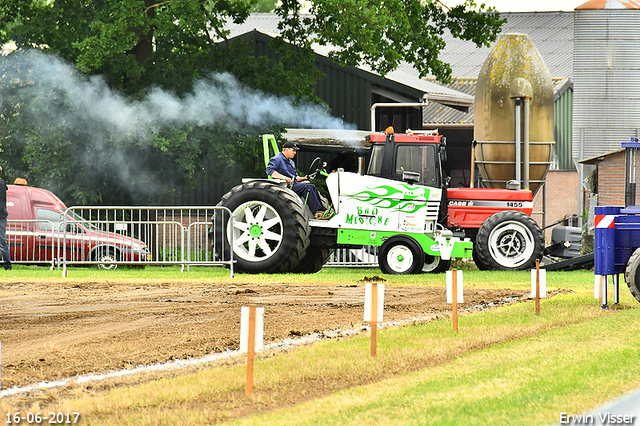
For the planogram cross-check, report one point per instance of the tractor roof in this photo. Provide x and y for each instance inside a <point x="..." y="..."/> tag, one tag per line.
<point x="407" y="138"/>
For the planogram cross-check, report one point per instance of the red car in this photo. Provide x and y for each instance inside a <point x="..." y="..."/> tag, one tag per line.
<point x="40" y="229"/>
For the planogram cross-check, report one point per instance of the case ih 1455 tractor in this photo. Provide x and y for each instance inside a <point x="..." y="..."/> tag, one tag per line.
<point x="401" y="205"/>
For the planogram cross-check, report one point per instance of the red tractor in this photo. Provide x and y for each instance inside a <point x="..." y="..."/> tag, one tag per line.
<point x="498" y="221"/>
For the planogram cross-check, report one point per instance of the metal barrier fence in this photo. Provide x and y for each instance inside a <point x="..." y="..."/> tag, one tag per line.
<point x="111" y="236"/>
<point x="365" y="257"/>
<point x="31" y="241"/>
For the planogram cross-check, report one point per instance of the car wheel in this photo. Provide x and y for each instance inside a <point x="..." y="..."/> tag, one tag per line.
<point x="106" y="258"/>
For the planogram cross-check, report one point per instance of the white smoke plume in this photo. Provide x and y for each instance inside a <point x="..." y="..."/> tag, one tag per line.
<point x="88" y="107"/>
<point x="218" y="99"/>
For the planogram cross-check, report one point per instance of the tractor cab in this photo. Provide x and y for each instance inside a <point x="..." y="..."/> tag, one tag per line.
<point x="413" y="158"/>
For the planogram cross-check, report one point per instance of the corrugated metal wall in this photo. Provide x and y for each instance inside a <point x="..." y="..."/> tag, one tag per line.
<point x="347" y="94"/>
<point x="207" y="191"/>
<point x="345" y="90"/>
<point x="562" y="118"/>
<point x="606" y="80"/>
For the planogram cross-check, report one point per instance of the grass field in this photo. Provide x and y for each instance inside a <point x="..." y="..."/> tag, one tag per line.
<point x="505" y="366"/>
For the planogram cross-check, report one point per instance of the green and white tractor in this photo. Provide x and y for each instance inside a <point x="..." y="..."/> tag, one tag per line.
<point x="274" y="232"/>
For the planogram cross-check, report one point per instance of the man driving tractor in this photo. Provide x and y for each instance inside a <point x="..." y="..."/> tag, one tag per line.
<point x="281" y="166"/>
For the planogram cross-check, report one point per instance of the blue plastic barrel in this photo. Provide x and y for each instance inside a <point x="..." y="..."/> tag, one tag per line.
<point x="605" y="240"/>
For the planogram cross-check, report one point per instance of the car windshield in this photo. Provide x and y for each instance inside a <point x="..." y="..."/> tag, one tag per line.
<point x="48" y="218"/>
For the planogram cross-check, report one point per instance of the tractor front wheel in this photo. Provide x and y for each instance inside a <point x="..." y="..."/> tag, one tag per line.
<point x="401" y="255"/>
<point x="435" y="264"/>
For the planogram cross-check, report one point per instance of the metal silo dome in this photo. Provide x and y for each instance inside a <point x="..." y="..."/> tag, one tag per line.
<point x="514" y="88"/>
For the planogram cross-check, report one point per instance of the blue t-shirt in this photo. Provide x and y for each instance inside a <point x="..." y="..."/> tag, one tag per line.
<point x="281" y="164"/>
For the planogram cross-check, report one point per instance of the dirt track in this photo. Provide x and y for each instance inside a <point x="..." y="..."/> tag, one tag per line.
<point x="54" y="331"/>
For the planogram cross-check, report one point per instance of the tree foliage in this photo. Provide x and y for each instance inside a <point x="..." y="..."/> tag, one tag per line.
<point x="382" y="33"/>
<point x="132" y="52"/>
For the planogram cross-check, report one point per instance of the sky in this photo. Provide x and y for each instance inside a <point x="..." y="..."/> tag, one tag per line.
<point x="525" y="5"/>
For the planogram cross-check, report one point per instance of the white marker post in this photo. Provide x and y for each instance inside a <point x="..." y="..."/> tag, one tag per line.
<point x="538" y="285"/>
<point x="455" y="293"/>
<point x="600" y="289"/>
<point x="374" y="297"/>
<point x="251" y="338"/>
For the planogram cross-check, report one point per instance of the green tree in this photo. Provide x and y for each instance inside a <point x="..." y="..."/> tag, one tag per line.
<point x="382" y="33"/>
<point x="264" y="6"/>
<point x="132" y="52"/>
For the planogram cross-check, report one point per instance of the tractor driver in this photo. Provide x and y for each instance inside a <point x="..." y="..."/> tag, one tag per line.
<point x="281" y="166"/>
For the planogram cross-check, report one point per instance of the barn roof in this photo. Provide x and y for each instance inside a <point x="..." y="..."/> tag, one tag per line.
<point x="551" y="32"/>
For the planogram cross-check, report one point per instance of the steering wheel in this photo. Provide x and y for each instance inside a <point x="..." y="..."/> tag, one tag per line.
<point x="316" y="166"/>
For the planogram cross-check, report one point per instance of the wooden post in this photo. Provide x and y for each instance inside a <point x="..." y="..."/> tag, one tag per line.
<point x="537" y="287"/>
<point x="251" y="349"/>
<point x="600" y="291"/>
<point x="374" y="318"/>
<point x="454" y="290"/>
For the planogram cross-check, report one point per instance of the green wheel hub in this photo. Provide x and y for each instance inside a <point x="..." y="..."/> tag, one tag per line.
<point x="255" y="231"/>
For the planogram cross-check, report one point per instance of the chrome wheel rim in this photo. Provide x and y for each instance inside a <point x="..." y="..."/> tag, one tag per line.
<point x="257" y="231"/>
<point x="511" y="244"/>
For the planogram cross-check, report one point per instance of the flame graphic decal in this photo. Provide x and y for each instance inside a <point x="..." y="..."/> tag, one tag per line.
<point x="381" y="197"/>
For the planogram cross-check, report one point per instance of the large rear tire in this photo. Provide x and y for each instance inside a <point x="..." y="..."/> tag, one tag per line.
<point x="314" y="260"/>
<point x="401" y="255"/>
<point x="476" y="259"/>
<point x="510" y="241"/>
<point x="270" y="231"/>
<point x="632" y="274"/>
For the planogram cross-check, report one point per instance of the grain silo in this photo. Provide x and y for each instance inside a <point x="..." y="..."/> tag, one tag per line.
<point x="514" y="114"/>
<point x="606" y="73"/>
